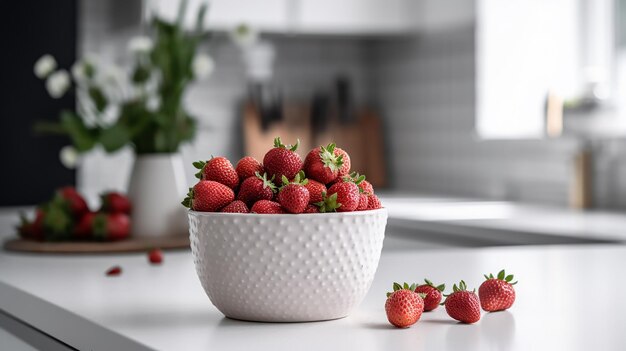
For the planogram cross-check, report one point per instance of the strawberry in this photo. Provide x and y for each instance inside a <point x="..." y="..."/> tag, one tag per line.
<point x="84" y="228"/>
<point x="110" y="226"/>
<point x="363" y="200"/>
<point x="114" y="271"/>
<point x="256" y="188"/>
<point x="218" y="169"/>
<point x="294" y="196"/>
<point x="497" y="294"/>
<point x="57" y="220"/>
<point x="347" y="198"/>
<point x="247" y="167"/>
<point x="311" y="209"/>
<point x="155" y="256"/>
<point x="404" y="306"/>
<point x="113" y="202"/>
<point x="432" y="294"/>
<point x="463" y="305"/>
<point x="76" y="202"/>
<point x="236" y="206"/>
<point x="267" y="206"/>
<point x="32" y="230"/>
<point x="344" y="170"/>
<point x="208" y="196"/>
<point x="366" y="187"/>
<point x="316" y="189"/>
<point x="282" y="160"/>
<point x="373" y="203"/>
<point x="323" y="163"/>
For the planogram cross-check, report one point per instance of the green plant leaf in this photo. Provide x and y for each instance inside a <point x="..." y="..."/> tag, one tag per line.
<point x="114" y="137"/>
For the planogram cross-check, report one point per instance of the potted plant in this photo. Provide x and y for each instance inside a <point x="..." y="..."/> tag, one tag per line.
<point x="141" y="107"/>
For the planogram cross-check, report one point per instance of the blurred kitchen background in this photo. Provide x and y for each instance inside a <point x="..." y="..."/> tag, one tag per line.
<point x="519" y="101"/>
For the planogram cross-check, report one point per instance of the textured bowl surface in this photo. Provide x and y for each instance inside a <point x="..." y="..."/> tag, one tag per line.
<point x="286" y="268"/>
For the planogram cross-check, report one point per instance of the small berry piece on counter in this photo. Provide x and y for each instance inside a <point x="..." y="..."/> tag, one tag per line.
<point x="267" y="207"/>
<point x="236" y="206"/>
<point x="113" y="202"/>
<point x="463" y="305"/>
<point x="323" y="163"/>
<point x="155" y="256"/>
<point x="218" y="169"/>
<point x="247" y="167"/>
<point x="404" y="306"/>
<point x="114" y="271"/>
<point x="282" y="160"/>
<point x="497" y="293"/>
<point x="208" y="196"/>
<point x="294" y="196"/>
<point x="432" y="293"/>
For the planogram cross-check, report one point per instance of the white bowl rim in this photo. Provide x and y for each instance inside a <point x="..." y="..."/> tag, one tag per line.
<point x="287" y="215"/>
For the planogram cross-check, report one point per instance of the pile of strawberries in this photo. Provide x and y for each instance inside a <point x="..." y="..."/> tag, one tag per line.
<point x="67" y="217"/>
<point x="405" y="305"/>
<point x="283" y="183"/>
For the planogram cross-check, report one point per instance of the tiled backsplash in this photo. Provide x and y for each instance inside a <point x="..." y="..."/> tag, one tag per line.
<point x="424" y="88"/>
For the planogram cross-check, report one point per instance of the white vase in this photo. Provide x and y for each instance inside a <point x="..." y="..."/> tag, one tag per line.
<point x="157" y="187"/>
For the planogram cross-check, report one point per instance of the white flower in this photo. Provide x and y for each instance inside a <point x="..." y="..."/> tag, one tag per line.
<point x="44" y="66"/>
<point x="68" y="156"/>
<point x="78" y="71"/>
<point x="140" y="45"/>
<point x="58" y="83"/>
<point x="202" y="66"/>
<point x="153" y="103"/>
<point x="244" y="36"/>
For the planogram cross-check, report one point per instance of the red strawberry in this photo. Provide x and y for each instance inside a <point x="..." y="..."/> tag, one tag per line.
<point x="208" y="196"/>
<point x="267" y="206"/>
<point x="247" y="167"/>
<point x="113" y="202"/>
<point x="373" y="203"/>
<point x="84" y="228"/>
<point x="155" y="256"/>
<point x="366" y="187"/>
<point x="236" y="206"/>
<point x="463" y="305"/>
<point x="218" y="169"/>
<point x="294" y="196"/>
<point x="282" y="160"/>
<point x="110" y="227"/>
<point x="432" y="294"/>
<point x="32" y="230"/>
<point x="76" y="202"/>
<point x="404" y="306"/>
<point x="345" y="167"/>
<point x="311" y="209"/>
<point x="114" y="271"/>
<point x="323" y="163"/>
<point x="347" y="197"/>
<point x="497" y="294"/>
<point x="363" y="200"/>
<point x="316" y="189"/>
<point x="256" y="188"/>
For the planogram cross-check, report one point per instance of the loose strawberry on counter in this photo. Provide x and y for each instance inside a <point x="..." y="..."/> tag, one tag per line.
<point x="208" y="196"/>
<point x="497" y="294"/>
<point x="432" y="294"/>
<point x="293" y="196"/>
<point x="282" y="160"/>
<point x="114" y="202"/>
<point x="404" y="306"/>
<point x="247" y="167"/>
<point x="155" y="256"/>
<point x="218" y="169"/>
<point x="463" y="305"/>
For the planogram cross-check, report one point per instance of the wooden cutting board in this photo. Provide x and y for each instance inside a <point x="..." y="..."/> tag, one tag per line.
<point x="128" y="245"/>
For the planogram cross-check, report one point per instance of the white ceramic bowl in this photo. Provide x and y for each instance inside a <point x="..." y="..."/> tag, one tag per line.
<point x="286" y="268"/>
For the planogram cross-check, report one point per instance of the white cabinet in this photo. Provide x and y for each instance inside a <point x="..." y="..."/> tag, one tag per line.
<point x="354" y="16"/>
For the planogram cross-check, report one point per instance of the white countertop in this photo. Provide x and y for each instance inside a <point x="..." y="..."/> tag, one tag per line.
<point x="568" y="297"/>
